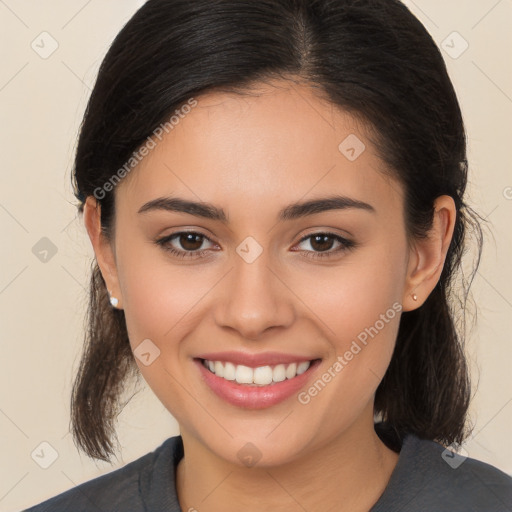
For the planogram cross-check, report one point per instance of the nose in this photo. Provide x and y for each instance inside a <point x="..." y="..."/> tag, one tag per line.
<point x="254" y="299"/>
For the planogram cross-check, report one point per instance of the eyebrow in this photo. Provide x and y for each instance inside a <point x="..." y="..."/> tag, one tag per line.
<point x="290" y="212"/>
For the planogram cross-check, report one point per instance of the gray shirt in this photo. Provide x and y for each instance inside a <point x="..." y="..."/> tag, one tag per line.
<point x="427" y="478"/>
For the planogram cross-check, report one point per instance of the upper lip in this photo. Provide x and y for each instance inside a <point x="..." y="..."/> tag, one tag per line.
<point x="255" y="360"/>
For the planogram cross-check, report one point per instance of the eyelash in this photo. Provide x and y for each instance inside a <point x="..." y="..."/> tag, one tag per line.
<point x="345" y="245"/>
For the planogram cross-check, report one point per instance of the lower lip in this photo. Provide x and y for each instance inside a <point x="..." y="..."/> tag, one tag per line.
<point x="254" y="397"/>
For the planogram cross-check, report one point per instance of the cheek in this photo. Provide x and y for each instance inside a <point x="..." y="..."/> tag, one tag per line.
<point x="352" y="296"/>
<point x="158" y="297"/>
<point x="153" y="295"/>
<point x="358" y="307"/>
<point x="162" y="303"/>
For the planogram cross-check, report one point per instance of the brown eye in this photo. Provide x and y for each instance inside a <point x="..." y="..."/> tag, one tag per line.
<point x="190" y="241"/>
<point x="185" y="244"/>
<point x="322" y="243"/>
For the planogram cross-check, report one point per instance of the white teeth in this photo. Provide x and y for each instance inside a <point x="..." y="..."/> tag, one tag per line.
<point x="302" y="367"/>
<point x="243" y="374"/>
<point x="291" y="371"/>
<point x="260" y="376"/>
<point x="229" y="371"/>
<point x="279" y="373"/>
<point x="219" y="369"/>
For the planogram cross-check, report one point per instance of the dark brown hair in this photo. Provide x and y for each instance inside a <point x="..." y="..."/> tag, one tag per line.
<point x="372" y="58"/>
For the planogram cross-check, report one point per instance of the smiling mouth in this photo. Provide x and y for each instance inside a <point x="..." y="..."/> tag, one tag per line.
<point x="258" y="376"/>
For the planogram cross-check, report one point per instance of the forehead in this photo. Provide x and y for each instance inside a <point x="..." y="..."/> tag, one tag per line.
<point x="274" y="141"/>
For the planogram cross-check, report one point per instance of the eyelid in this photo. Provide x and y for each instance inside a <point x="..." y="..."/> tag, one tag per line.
<point x="181" y="254"/>
<point x="314" y="231"/>
<point x="342" y="233"/>
<point x="167" y="238"/>
<point x="345" y="244"/>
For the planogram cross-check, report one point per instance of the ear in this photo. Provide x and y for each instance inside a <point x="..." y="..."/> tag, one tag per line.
<point x="427" y="256"/>
<point x="103" y="248"/>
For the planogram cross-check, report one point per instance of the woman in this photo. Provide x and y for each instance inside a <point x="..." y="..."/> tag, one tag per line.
<point x="274" y="192"/>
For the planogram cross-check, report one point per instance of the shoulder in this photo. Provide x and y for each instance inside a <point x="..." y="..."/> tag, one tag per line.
<point x="125" y="488"/>
<point x="431" y="477"/>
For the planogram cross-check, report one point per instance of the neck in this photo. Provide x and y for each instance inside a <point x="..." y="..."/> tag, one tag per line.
<point x="347" y="473"/>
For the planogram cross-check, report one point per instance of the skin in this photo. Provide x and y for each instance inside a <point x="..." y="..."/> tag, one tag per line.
<point x="252" y="155"/>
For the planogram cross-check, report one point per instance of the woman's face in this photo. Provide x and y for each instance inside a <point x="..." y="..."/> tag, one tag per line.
<point x="260" y="277"/>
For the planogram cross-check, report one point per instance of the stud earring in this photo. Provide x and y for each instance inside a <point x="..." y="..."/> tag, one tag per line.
<point x="414" y="296"/>
<point x="113" y="300"/>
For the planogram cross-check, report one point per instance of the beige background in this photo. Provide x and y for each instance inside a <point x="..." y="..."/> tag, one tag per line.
<point x="42" y="303"/>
